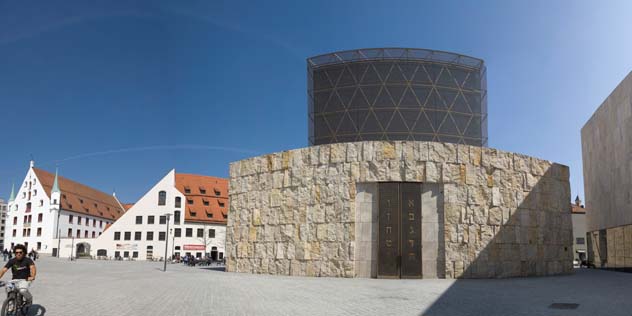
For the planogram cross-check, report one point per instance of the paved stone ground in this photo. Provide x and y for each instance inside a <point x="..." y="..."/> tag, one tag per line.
<point x="87" y="287"/>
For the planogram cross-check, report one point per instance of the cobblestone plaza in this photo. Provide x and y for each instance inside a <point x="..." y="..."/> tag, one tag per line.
<point x="93" y="287"/>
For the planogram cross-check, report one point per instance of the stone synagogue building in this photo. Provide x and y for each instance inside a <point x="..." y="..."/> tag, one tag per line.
<point x="398" y="181"/>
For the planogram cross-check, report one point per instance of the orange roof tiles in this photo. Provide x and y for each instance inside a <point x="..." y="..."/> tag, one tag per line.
<point x="127" y="206"/>
<point x="206" y="198"/>
<point x="82" y="199"/>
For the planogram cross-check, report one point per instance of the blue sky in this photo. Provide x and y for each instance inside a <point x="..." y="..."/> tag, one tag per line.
<point x="117" y="94"/>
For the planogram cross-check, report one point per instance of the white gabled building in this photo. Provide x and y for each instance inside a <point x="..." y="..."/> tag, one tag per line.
<point x="197" y="208"/>
<point x="47" y="206"/>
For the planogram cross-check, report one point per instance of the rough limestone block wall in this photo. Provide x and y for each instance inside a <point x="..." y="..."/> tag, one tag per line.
<point x="619" y="248"/>
<point x="294" y="212"/>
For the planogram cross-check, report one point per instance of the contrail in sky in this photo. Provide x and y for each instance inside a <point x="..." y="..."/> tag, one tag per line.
<point x="157" y="147"/>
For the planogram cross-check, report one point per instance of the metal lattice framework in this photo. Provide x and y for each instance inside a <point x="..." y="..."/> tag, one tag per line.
<point x="397" y="94"/>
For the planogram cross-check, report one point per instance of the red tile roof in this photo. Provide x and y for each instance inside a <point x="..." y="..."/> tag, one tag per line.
<point x="206" y="198"/>
<point x="82" y="199"/>
<point x="127" y="206"/>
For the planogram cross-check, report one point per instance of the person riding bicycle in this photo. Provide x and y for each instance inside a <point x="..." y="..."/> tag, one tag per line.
<point x="23" y="269"/>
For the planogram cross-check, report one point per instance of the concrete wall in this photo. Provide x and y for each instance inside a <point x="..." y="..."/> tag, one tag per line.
<point x="311" y="211"/>
<point x="607" y="152"/>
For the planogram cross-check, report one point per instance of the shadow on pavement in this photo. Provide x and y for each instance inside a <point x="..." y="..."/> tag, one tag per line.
<point x="36" y="310"/>
<point x="221" y="269"/>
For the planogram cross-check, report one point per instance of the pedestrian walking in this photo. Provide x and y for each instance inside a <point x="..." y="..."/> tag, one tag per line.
<point x="5" y="254"/>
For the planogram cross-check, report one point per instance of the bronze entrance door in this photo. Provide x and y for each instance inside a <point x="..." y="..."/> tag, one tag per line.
<point x="399" y="234"/>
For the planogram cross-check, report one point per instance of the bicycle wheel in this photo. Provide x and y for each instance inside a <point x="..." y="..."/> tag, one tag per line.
<point x="9" y="307"/>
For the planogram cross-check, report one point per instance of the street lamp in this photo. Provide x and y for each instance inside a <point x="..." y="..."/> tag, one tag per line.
<point x="166" y="241"/>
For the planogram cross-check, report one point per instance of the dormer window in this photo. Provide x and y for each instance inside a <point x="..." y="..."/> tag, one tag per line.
<point x="81" y="201"/>
<point x="63" y="196"/>
<point x="192" y="213"/>
<point x="189" y="201"/>
<point x="202" y="190"/>
<point x="70" y="206"/>
<point x="187" y="190"/>
<point x="95" y="205"/>
<point x="217" y="192"/>
<point x="221" y="204"/>
<point x="206" y="203"/>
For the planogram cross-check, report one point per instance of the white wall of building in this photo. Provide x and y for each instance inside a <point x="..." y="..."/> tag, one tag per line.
<point x="148" y="206"/>
<point x="31" y="191"/>
<point x="579" y="234"/>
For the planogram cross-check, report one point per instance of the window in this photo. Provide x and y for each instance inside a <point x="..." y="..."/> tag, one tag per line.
<point x="135" y="254"/>
<point x="176" y="217"/>
<point x="93" y="234"/>
<point x="162" y="198"/>
<point x="39" y="245"/>
<point x="163" y="219"/>
<point x="94" y="223"/>
<point x="15" y="220"/>
<point x="87" y="221"/>
<point x="126" y="254"/>
<point x="217" y="193"/>
<point x="39" y="231"/>
<point x="100" y="224"/>
<point x="34" y="192"/>
<point x="41" y="202"/>
<point x="177" y="247"/>
<point x="30" y="220"/>
<point x="80" y="201"/>
<point x="209" y="215"/>
<point x="55" y="201"/>
<point x="187" y="190"/>
<point x="150" y="235"/>
<point x="189" y="232"/>
<point x="139" y="220"/>
<point x="221" y="204"/>
<point x="161" y="236"/>
<point x="78" y="220"/>
<point x="70" y="219"/>
<point x="85" y="234"/>
<point x="70" y="232"/>
<point x="177" y="232"/>
<point x="117" y="235"/>
<point x="206" y="203"/>
<point x="137" y="235"/>
<point x="26" y="218"/>
<point x="178" y="201"/>
<point x="117" y="254"/>
<point x="211" y="233"/>
<point x="128" y="236"/>
<point x="200" y="232"/>
<point x="190" y="201"/>
<point x="202" y="190"/>
<point x="28" y="207"/>
<point x="225" y="216"/>
<point x="14" y="232"/>
<point x="580" y="240"/>
<point x="150" y="219"/>
<point x="39" y="217"/>
<point x="78" y="235"/>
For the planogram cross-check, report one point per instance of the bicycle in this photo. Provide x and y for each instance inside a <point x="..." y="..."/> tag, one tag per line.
<point x="14" y="304"/>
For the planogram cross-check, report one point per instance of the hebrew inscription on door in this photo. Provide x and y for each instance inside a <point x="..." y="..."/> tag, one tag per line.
<point x="399" y="240"/>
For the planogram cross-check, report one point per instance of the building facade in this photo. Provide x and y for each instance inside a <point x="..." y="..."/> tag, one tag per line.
<point x="195" y="208"/>
<point x="47" y="206"/>
<point x="606" y="152"/>
<point x="397" y="94"/>
<point x="399" y="209"/>
<point x="578" y="214"/>
<point x="3" y="217"/>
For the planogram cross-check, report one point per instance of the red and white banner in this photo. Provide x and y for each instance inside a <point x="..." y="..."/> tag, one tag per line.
<point x="193" y="247"/>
